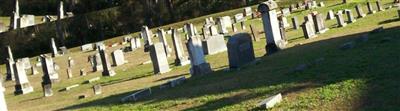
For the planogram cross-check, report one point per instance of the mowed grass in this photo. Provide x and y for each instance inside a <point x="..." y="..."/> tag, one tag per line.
<point x="362" y="78"/>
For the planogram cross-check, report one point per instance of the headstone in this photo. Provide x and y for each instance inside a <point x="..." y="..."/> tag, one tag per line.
<point x="214" y="44"/>
<point x="319" y="23"/>
<point x="285" y="22"/>
<point x="26" y="63"/>
<point x="163" y="40"/>
<point x="118" y="57"/>
<point x="48" y="69"/>
<point x="71" y="87"/>
<point x="64" y="50"/>
<point x="282" y="31"/>
<point x="360" y="11"/>
<point x="99" y="44"/>
<point x="47" y="90"/>
<point x="314" y="4"/>
<point x="147" y="38"/>
<point x="234" y="29"/>
<point x="240" y="50"/>
<point x="321" y="4"/>
<point x="330" y="15"/>
<point x="9" y="64"/>
<point x="137" y="95"/>
<point x="54" y="48"/>
<point x="370" y="8"/>
<point x="97" y="64"/>
<point x="191" y="29"/>
<point x="71" y="62"/>
<point x="295" y="23"/>
<point x="271" y="27"/>
<point x="107" y="71"/>
<point x="181" y="58"/>
<point x="3" y="104"/>
<point x="82" y="72"/>
<point x="379" y="6"/>
<point x="197" y="60"/>
<point x="213" y="30"/>
<point x="34" y="70"/>
<point x="138" y="42"/>
<point x="174" y="82"/>
<point x="224" y="23"/>
<point x="285" y="12"/>
<point x="69" y="72"/>
<point x="27" y="20"/>
<point x="239" y="18"/>
<point x="271" y="101"/>
<point x="247" y="11"/>
<point x="292" y="7"/>
<point x="308" y="30"/>
<point x="97" y="89"/>
<point x="242" y="24"/>
<point x="159" y="59"/>
<point x="22" y="85"/>
<point x="253" y="34"/>
<point x="350" y="16"/>
<point x="87" y="47"/>
<point x="340" y="20"/>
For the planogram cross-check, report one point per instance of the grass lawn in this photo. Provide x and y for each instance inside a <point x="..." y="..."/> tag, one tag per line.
<point x="362" y="78"/>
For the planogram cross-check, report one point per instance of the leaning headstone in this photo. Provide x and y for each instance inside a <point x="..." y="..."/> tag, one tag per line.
<point x="214" y="44"/>
<point x="87" y="47"/>
<point x="107" y="71"/>
<point x="271" y="27"/>
<point x="54" y="48"/>
<point x="240" y="50"/>
<point x="3" y="104"/>
<point x="163" y="40"/>
<point x="360" y="11"/>
<point x="49" y="69"/>
<point x="181" y="58"/>
<point x="350" y="16"/>
<point x="118" y="57"/>
<point x="308" y="30"/>
<point x="295" y="23"/>
<point x="197" y="60"/>
<point x="330" y="15"/>
<point x="379" y="6"/>
<point x="97" y="89"/>
<point x="271" y="101"/>
<point x="319" y="23"/>
<point x="370" y="8"/>
<point x="22" y="85"/>
<point x="340" y="20"/>
<point x="137" y="95"/>
<point x="159" y="59"/>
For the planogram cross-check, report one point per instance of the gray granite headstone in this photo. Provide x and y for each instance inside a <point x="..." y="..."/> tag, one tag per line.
<point x="22" y="85"/>
<point x="181" y="58"/>
<point x="197" y="60"/>
<point x="147" y="36"/>
<point x="97" y="89"/>
<point x="224" y="23"/>
<point x="49" y="69"/>
<point x="214" y="44"/>
<point x="47" y="90"/>
<point x="330" y="15"/>
<point x="118" y="57"/>
<point x="159" y="59"/>
<point x="340" y="20"/>
<point x="107" y="71"/>
<point x="350" y="17"/>
<point x="271" y="27"/>
<point x="240" y="50"/>
<point x="360" y="11"/>
<point x="97" y="64"/>
<point x="319" y="23"/>
<point x="308" y="30"/>
<point x="370" y="8"/>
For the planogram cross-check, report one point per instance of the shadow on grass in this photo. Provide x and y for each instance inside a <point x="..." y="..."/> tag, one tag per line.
<point x="389" y="21"/>
<point x="276" y="70"/>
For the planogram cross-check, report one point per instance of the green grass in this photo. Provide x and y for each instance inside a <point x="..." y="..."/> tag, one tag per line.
<point x="362" y="78"/>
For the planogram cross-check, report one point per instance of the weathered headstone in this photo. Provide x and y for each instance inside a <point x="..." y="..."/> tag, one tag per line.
<point x="340" y="20"/>
<point x="360" y="11"/>
<point x="34" y="70"/>
<point x="26" y="62"/>
<point x="22" y="85"/>
<point x="107" y="71"/>
<point x="87" y="47"/>
<point x="82" y="72"/>
<point x="240" y="50"/>
<point x="370" y="8"/>
<point x="197" y="60"/>
<point x="308" y="30"/>
<point x="239" y="18"/>
<point x="97" y="89"/>
<point x="319" y="23"/>
<point x="271" y="101"/>
<point x="214" y="44"/>
<point x="350" y="16"/>
<point x="295" y="23"/>
<point x="97" y="64"/>
<point x="271" y="27"/>
<point x="54" y="48"/>
<point x="224" y="23"/>
<point x="247" y="11"/>
<point x="71" y="62"/>
<point x="64" y="50"/>
<point x="379" y="6"/>
<point x="49" y="69"/>
<point x="181" y="58"/>
<point x="285" y="12"/>
<point x="163" y="40"/>
<point x="118" y="57"/>
<point x="330" y="15"/>
<point x="147" y="38"/>
<point x="159" y="59"/>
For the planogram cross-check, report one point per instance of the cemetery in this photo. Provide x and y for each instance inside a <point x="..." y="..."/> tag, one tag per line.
<point x="269" y="55"/>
